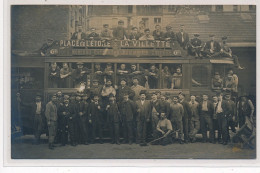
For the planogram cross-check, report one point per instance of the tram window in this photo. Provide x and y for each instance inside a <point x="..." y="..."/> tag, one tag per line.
<point x="151" y="75"/>
<point x="99" y="72"/>
<point x="172" y="76"/>
<point x="81" y="74"/>
<point x="199" y="76"/>
<point x="123" y="73"/>
<point x="30" y="78"/>
<point x="109" y="72"/>
<point x="65" y="75"/>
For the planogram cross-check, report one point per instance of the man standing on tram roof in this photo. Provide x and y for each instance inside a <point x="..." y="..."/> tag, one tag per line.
<point x="79" y="35"/>
<point x="119" y="32"/>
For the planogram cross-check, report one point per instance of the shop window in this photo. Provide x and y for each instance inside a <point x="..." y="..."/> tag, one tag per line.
<point x="200" y="76"/>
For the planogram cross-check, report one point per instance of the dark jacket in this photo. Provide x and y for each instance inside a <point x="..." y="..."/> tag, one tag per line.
<point x="216" y="46"/>
<point x="170" y="35"/>
<point x="113" y="114"/>
<point x="95" y="114"/>
<point x="157" y="36"/>
<point x="210" y="107"/>
<point x="157" y="105"/>
<point x="186" y="108"/>
<point x="75" y="36"/>
<point x="64" y="119"/>
<point x="179" y="38"/>
<point x="81" y="107"/>
<point x="119" y="33"/>
<point x="127" y="110"/>
<point x="94" y="35"/>
<point x="144" y="111"/>
<point x="227" y="110"/>
<point x="121" y="91"/>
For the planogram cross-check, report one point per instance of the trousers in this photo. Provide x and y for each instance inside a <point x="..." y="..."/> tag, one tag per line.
<point x="38" y="126"/>
<point x="141" y="130"/>
<point x="194" y="128"/>
<point x="177" y="125"/>
<point x="114" y="131"/>
<point x="206" y="122"/>
<point x="52" y="128"/>
<point x="222" y="125"/>
<point x="128" y="130"/>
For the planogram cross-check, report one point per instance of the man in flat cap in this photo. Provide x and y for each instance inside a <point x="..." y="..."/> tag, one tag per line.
<point x="51" y="117"/>
<point x="147" y="35"/>
<point x="134" y="35"/>
<point x="182" y="37"/>
<point x="157" y="33"/>
<point x="127" y="109"/>
<point x="79" y="35"/>
<point x="212" y="48"/>
<point x="123" y="88"/>
<point x="143" y="117"/>
<point x="37" y="109"/>
<point x="227" y="52"/>
<point x="217" y="82"/>
<point x="119" y="32"/>
<point x="93" y="35"/>
<point x="80" y="74"/>
<point x="114" y="118"/>
<point x="169" y="35"/>
<point x="206" y="111"/>
<point x="106" y="33"/>
<point x="194" y="46"/>
<point x="65" y="122"/>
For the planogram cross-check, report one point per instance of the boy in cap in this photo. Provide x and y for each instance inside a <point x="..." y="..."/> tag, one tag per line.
<point x="169" y="35"/>
<point x="227" y="52"/>
<point x="182" y="37"/>
<point x="143" y="117"/>
<point x="217" y="82"/>
<point x="95" y="118"/>
<point x="79" y="35"/>
<point x="194" y="46"/>
<point x="106" y="33"/>
<point x="119" y="32"/>
<point x="114" y="119"/>
<point x="93" y="35"/>
<point x="147" y="35"/>
<point x="127" y="109"/>
<point x="134" y="35"/>
<point x="212" y="48"/>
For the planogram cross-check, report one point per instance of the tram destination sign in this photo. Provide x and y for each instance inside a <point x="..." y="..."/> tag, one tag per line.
<point x="116" y="48"/>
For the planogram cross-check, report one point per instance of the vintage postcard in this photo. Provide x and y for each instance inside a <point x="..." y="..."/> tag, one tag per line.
<point x="132" y="81"/>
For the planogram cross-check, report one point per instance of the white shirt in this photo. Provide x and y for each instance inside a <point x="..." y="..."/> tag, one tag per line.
<point x="38" y="108"/>
<point x="205" y="106"/>
<point x="142" y="102"/>
<point x="219" y="108"/>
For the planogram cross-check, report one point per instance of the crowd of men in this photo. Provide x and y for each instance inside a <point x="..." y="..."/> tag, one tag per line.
<point x="81" y="117"/>
<point x="195" y="46"/>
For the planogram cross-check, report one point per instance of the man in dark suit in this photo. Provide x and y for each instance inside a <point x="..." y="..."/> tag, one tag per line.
<point x="65" y="124"/>
<point x="79" y="35"/>
<point x="95" y="118"/>
<point x="169" y="35"/>
<point x="223" y="109"/>
<point x="165" y="105"/>
<point x="194" y="46"/>
<point x="212" y="48"/>
<point x="114" y="118"/>
<point x="81" y="112"/>
<point x="127" y="109"/>
<point x="157" y="33"/>
<point x="143" y="117"/>
<point x="156" y="108"/>
<point x="186" y="116"/>
<point x="122" y="89"/>
<point x="182" y="37"/>
<point x="206" y="111"/>
<point x="37" y="114"/>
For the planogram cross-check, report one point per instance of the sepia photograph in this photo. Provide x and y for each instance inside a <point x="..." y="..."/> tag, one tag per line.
<point x="133" y="82"/>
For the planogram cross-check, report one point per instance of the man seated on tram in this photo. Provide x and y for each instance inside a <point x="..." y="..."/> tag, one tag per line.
<point x="134" y="72"/>
<point x="93" y="35"/>
<point x="108" y="72"/>
<point x="227" y="52"/>
<point x="80" y="74"/>
<point x="135" y="34"/>
<point x="176" y="81"/>
<point x="194" y="46"/>
<point x="122" y="72"/>
<point x="169" y="35"/>
<point x="212" y="48"/>
<point x="147" y="35"/>
<point x="65" y="75"/>
<point x="157" y="33"/>
<point x="98" y="73"/>
<point x="153" y="76"/>
<point x="217" y="82"/>
<point x="106" y="33"/>
<point x="182" y="37"/>
<point x="54" y="75"/>
<point x="119" y="32"/>
<point x="79" y="35"/>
